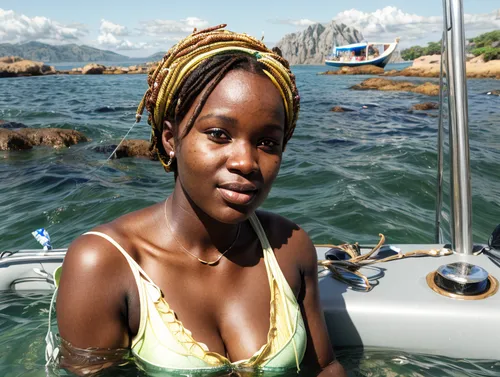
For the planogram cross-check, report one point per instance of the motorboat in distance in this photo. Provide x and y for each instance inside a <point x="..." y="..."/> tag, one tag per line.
<point x="364" y="53"/>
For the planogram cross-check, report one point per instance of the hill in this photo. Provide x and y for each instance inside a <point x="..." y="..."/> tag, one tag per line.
<point x="38" y="51"/>
<point x="156" y="57"/>
<point x="314" y="44"/>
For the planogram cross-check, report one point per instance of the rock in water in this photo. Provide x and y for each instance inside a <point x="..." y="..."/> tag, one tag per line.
<point x="129" y="148"/>
<point x="13" y="66"/>
<point x="314" y="44"/>
<point x="93" y="69"/>
<point x="136" y="148"/>
<point x="361" y="70"/>
<point x="13" y="141"/>
<point x="55" y="137"/>
<point x="340" y="109"/>
<point x="426" y="106"/>
<point x="396" y="85"/>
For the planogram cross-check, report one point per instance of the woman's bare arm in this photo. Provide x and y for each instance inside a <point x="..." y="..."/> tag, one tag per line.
<point x="319" y="352"/>
<point x="92" y="305"/>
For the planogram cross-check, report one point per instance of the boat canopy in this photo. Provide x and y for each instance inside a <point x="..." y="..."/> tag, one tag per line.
<point x="352" y="47"/>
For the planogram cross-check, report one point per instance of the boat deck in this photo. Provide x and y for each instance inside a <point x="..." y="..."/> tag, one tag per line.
<point x="402" y="312"/>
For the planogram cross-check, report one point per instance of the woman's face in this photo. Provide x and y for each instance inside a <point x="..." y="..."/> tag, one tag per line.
<point x="228" y="161"/>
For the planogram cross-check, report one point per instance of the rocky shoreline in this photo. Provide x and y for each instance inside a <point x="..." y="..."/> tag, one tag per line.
<point x="14" y="66"/>
<point x="425" y="66"/>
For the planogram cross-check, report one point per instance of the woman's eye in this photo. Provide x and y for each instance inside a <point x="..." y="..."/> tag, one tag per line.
<point x="217" y="135"/>
<point x="269" y="144"/>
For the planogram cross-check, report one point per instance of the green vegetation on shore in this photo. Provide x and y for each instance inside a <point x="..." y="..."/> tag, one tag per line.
<point x="414" y="52"/>
<point x="487" y="44"/>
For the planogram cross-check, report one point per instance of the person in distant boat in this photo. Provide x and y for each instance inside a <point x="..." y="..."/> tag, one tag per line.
<point x="203" y="282"/>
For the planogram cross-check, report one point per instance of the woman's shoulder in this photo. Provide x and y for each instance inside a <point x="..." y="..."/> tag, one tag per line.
<point x="98" y="249"/>
<point x="285" y="234"/>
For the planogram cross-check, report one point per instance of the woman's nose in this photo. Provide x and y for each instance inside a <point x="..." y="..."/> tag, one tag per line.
<point x="242" y="158"/>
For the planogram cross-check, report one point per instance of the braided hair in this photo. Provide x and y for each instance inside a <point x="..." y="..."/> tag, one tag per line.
<point x="195" y="66"/>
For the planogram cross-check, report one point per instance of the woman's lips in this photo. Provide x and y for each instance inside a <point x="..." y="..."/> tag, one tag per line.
<point x="237" y="197"/>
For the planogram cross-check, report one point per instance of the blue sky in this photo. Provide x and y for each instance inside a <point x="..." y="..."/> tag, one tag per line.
<point x="128" y="28"/>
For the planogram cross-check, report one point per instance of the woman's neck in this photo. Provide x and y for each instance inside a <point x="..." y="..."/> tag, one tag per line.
<point x="195" y="231"/>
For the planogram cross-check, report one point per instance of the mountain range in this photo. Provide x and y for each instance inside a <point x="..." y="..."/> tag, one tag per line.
<point x="46" y="53"/>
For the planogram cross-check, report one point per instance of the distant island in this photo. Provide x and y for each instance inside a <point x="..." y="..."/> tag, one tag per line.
<point x="44" y="52"/>
<point x="157" y="56"/>
<point x="487" y="44"/>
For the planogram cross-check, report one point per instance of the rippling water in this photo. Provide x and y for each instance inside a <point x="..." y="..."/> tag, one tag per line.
<point x="345" y="177"/>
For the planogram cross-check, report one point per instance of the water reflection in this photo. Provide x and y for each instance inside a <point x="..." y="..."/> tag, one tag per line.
<point x="23" y="324"/>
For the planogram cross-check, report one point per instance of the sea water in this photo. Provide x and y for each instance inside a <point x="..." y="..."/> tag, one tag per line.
<point x="345" y="177"/>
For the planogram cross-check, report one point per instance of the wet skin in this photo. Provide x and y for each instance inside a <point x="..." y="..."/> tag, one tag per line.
<point x="226" y="166"/>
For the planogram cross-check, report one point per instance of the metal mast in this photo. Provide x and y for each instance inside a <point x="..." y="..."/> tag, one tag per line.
<point x="460" y="182"/>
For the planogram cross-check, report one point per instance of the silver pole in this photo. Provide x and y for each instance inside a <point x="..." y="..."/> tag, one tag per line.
<point x="461" y="224"/>
<point x="439" y="197"/>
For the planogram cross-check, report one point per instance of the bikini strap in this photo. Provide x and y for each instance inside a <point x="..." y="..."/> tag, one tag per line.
<point x="274" y="272"/>
<point x="133" y="264"/>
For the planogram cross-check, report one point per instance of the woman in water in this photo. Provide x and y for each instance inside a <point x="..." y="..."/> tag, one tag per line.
<point x="202" y="282"/>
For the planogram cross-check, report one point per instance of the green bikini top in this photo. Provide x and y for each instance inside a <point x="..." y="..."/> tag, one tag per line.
<point x="163" y="346"/>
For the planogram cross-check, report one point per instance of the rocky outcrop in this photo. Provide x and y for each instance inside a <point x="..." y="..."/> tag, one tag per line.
<point x="429" y="66"/>
<point x="314" y="44"/>
<point x="361" y="70"/>
<point x="130" y="148"/>
<point x="97" y="69"/>
<point x="10" y="59"/>
<point x="93" y="69"/>
<point x="13" y="66"/>
<point x="26" y="138"/>
<point x="426" y="106"/>
<point x="12" y="141"/>
<point x="394" y="85"/>
<point x="340" y="109"/>
<point x="54" y="137"/>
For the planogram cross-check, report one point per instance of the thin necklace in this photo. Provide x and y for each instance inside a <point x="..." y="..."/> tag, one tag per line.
<point x="209" y="263"/>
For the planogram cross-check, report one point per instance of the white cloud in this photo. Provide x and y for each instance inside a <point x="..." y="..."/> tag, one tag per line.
<point x="109" y="41"/>
<point x="109" y="32"/>
<point x="170" y="29"/>
<point x="482" y="22"/>
<point x="108" y="27"/>
<point x="390" y="22"/>
<point x="16" y="27"/>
